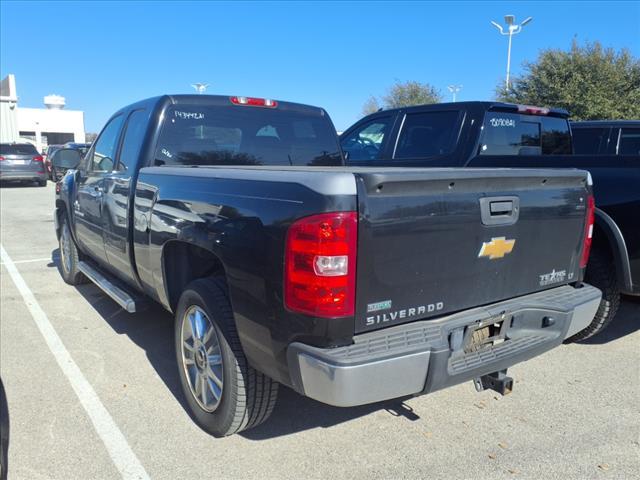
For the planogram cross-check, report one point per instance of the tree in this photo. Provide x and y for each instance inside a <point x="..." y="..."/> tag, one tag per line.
<point x="590" y="81"/>
<point x="404" y="95"/>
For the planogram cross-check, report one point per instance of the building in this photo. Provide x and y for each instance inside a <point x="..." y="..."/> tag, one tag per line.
<point x="51" y="125"/>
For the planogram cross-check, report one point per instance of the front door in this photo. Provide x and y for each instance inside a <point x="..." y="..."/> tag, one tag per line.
<point x="89" y="201"/>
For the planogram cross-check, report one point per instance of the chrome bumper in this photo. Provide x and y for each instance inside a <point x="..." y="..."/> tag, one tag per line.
<point x="422" y="357"/>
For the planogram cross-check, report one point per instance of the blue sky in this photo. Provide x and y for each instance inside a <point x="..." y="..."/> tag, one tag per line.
<point x="102" y="56"/>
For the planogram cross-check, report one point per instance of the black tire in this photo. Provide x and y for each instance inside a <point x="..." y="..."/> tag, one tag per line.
<point x="42" y="183"/>
<point x="4" y="433"/>
<point x="69" y="269"/>
<point x="248" y="396"/>
<point x="601" y="273"/>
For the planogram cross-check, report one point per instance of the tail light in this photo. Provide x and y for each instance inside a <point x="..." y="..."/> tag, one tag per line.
<point x="320" y="265"/>
<point x="38" y="158"/>
<point x="254" y="102"/>
<point x="1" y="159"/>
<point x="588" y="231"/>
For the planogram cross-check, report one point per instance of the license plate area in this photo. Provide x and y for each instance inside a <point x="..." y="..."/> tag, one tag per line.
<point x="481" y="335"/>
<point x="17" y="162"/>
<point x="486" y="334"/>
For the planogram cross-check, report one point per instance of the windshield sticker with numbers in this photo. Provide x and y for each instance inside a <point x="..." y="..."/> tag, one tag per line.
<point x="502" y="122"/>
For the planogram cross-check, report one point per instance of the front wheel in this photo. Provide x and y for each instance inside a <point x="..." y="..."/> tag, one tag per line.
<point x="224" y="393"/>
<point x="69" y="256"/>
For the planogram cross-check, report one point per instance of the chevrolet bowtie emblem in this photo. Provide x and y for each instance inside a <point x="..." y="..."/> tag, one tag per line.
<point x="497" y="248"/>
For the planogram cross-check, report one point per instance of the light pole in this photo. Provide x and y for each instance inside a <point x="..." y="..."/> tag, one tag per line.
<point x="454" y="89"/>
<point x="200" y="87"/>
<point x="512" y="29"/>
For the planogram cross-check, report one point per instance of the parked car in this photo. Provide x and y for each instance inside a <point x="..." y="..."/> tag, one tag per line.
<point x="490" y="134"/>
<point x="21" y="162"/>
<point x="46" y="156"/>
<point x="281" y="265"/>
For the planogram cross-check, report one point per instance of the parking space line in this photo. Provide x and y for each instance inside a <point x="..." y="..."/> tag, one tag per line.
<point x="119" y="450"/>
<point x="16" y="262"/>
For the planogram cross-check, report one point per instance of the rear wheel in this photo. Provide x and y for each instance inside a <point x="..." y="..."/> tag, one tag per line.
<point x="225" y="394"/>
<point x="69" y="256"/>
<point x="42" y="183"/>
<point x="601" y="273"/>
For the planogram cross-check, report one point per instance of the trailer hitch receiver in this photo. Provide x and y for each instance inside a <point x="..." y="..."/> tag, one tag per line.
<point x="497" y="381"/>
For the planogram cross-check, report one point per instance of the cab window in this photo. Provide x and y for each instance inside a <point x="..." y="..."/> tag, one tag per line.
<point x="365" y="143"/>
<point x="103" y="156"/>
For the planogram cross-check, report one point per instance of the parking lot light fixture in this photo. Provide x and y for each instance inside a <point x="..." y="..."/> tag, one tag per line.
<point x="454" y="89"/>
<point x="511" y="30"/>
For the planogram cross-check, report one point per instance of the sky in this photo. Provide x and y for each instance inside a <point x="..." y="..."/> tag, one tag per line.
<point x="102" y="56"/>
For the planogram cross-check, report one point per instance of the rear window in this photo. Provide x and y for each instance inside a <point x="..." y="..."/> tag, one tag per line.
<point x="18" y="149"/>
<point x="428" y="134"/>
<point x="515" y="134"/>
<point x="591" y="141"/>
<point x="238" y="135"/>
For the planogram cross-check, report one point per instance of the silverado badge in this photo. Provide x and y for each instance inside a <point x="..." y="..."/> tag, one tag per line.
<point x="497" y="248"/>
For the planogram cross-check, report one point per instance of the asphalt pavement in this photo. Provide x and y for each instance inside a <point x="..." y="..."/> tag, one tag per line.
<point x="93" y="393"/>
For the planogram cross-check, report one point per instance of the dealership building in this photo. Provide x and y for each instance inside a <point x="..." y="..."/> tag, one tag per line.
<point x="52" y="125"/>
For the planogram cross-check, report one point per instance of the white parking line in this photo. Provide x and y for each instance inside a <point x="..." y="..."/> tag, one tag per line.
<point x="119" y="450"/>
<point x="16" y="262"/>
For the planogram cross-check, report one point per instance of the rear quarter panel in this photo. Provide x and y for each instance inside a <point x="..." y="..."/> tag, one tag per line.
<point x="243" y="222"/>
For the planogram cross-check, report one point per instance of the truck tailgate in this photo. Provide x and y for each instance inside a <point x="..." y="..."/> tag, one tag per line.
<point x="435" y="241"/>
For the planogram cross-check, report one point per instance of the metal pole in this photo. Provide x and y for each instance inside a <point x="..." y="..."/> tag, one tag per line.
<point x="509" y="57"/>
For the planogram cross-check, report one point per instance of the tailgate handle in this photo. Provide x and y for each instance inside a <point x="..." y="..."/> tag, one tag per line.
<point x="500" y="210"/>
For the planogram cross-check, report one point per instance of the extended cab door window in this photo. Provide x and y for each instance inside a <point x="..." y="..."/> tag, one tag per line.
<point x="367" y="141"/>
<point x="132" y="141"/>
<point x="428" y="134"/>
<point x="629" y="141"/>
<point x="591" y="141"/>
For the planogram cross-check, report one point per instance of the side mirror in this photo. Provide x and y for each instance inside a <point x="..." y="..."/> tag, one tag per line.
<point x="63" y="160"/>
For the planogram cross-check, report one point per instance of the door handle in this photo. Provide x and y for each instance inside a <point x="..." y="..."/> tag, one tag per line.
<point x="499" y="210"/>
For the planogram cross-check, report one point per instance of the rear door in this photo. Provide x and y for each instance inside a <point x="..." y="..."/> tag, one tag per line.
<point x="436" y="241"/>
<point x="88" y="206"/>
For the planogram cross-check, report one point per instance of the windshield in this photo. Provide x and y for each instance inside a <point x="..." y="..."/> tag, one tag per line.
<point x="237" y="135"/>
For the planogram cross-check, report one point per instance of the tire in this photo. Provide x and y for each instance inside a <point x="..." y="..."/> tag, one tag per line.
<point x="245" y="397"/>
<point x="42" y="183"/>
<point x="601" y="273"/>
<point x="69" y="256"/>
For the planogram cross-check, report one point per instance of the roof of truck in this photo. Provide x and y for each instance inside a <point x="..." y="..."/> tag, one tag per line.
<point x="606" y="123"/>
<point x="484" y="105"/>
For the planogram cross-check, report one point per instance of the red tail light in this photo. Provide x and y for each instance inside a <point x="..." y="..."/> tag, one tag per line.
<point x="1" y="159"/>
<point x="254" y="102"/>
<point x="588" y="231"/>
<point x="320" y="265"/>
<point x="38" y="158"/>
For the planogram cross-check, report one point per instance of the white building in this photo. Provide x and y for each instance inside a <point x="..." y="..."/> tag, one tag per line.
<point x="51" y="125"/>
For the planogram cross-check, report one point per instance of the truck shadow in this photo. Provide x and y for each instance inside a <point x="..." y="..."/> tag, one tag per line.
<point x="152" y="330"/>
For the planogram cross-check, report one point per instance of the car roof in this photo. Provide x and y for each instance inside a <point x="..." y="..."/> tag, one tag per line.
<point x="606" y="123"/>
<point x="484" y="105"/>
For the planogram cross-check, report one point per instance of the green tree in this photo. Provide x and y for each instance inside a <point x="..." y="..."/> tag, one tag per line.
<point x="404" y="94"/>
<point x="590" y="81"/>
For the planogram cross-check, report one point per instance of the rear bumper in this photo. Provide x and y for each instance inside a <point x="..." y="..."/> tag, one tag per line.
<point x="425" y="356"/>
<point x="22" y="175"/>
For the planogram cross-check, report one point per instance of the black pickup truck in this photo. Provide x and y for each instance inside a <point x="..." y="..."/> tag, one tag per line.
<point x="350" y="285"/>
<point x="491" y="134"/>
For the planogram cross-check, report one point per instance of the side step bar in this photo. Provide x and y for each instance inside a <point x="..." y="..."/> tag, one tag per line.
<point x="120" y="296"/>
